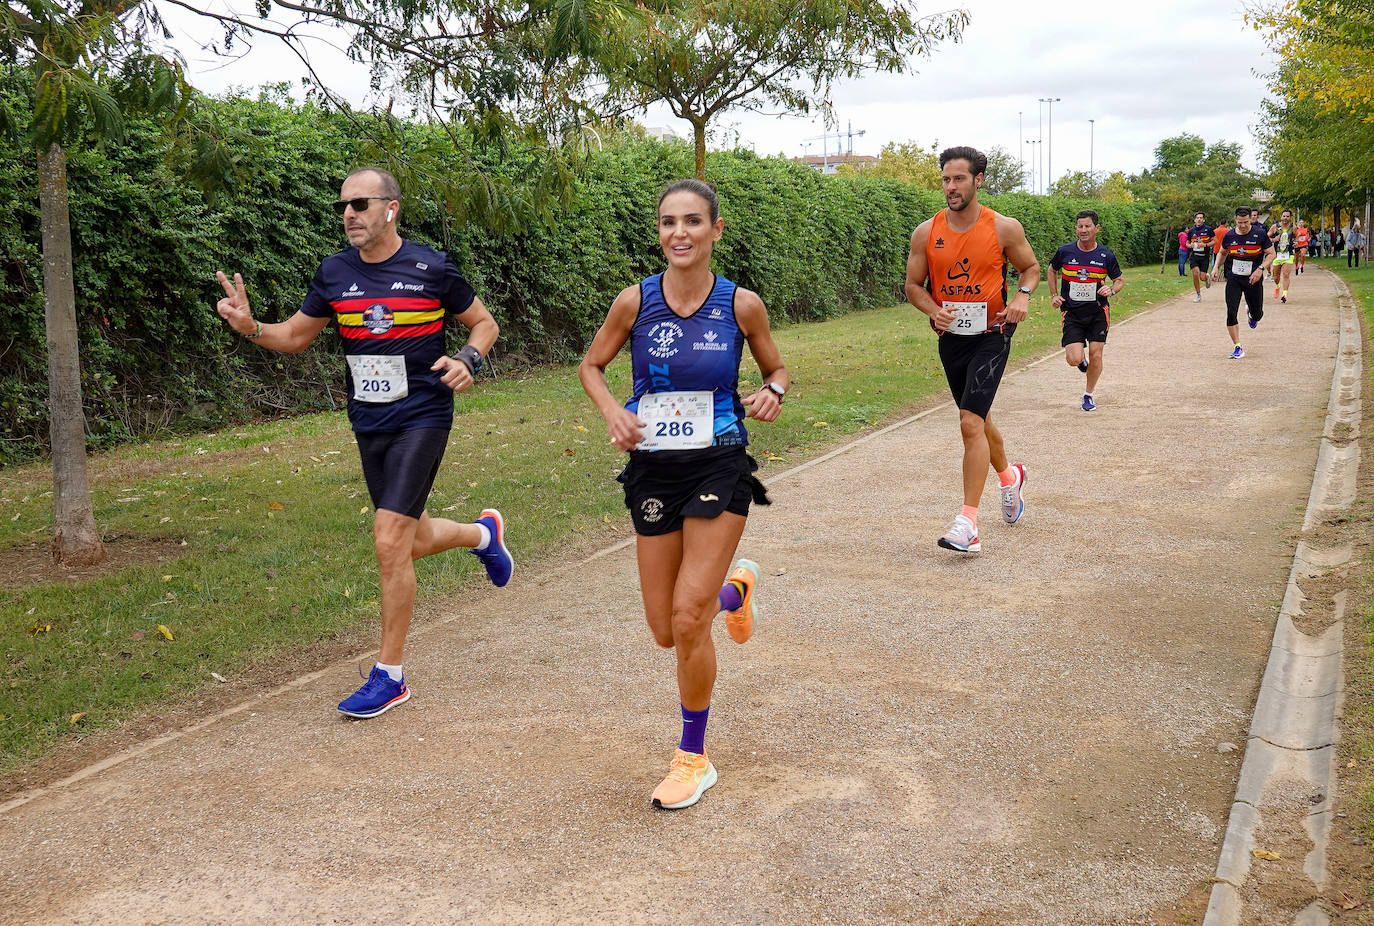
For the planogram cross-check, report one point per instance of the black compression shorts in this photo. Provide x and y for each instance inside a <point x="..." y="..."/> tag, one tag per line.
<point x="399" y="467"/>
<point x="974" y="366"/>
<point x="1254" y="299"/>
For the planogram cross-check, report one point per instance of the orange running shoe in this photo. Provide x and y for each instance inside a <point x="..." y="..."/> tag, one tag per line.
<point x="688" y="778"/>
<point x="740" y="622"/>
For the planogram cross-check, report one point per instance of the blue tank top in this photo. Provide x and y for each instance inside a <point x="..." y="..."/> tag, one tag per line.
<point x="699" y="353"/>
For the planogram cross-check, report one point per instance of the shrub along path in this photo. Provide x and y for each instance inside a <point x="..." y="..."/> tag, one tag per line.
<point x="1029" y="735"/>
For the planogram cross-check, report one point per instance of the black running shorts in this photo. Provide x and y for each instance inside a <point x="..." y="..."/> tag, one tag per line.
<point x="399" y="467"/>
<point x="974" y="366"/>
<point x="1084" y="325"/>
<point x="1254" y="299"/>
<point x="1199" y="261"/>
<point x="664" y="486"/>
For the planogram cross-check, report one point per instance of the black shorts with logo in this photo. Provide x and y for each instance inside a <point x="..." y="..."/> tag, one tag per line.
<point x="1085" y="324"/>
<point x="664" y="486"/>
<point x="399" y="467"/>
<point x="974" y="365"/>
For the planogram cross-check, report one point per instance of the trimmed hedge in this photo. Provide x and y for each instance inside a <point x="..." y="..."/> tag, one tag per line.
<point x="146" y="245"/>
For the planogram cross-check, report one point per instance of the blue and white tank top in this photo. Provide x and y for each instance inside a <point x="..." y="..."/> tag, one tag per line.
<point x="698" y="353"/>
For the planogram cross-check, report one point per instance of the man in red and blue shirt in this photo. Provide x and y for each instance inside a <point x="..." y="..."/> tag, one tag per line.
<point x="1084" y="274"/>
<point x="391" y="298"/>
<point x="1246" y="253"/>
<point x="1199" y="243"/>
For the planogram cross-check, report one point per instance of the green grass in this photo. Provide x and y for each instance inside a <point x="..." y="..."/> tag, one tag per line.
<point x="273" y="522"/>
<point x="1358" y="710"/>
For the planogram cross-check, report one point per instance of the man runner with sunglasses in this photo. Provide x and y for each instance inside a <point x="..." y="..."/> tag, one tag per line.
<point x="391" y="298"/>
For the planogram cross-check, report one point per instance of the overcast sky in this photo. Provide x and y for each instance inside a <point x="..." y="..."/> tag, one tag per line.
<point x="1143" y="73"/>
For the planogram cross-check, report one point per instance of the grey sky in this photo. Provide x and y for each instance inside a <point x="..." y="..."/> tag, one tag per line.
<point x="1142" y="73"/>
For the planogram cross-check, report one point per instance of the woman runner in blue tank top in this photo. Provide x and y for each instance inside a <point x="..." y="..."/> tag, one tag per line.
<point x="689" y="481"/>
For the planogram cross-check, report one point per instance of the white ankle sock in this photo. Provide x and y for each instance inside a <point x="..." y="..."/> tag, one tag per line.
<point x="485" y="538"/>
<point x="393" y="671"/>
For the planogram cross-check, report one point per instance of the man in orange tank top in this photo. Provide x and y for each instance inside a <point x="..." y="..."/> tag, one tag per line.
<point x="956" y="273"/>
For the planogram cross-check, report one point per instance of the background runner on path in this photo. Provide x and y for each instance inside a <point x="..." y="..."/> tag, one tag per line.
<point x="1199" y="244"/>
<point x="1244" y="256"/>
<point x="1084" y="275"/>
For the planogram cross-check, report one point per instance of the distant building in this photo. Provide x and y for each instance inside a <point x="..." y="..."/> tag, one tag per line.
<point x="831" y="163"/>
<point x="662" y="133"/>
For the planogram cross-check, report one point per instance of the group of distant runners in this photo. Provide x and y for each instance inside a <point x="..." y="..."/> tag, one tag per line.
<point x="689" y="481"/>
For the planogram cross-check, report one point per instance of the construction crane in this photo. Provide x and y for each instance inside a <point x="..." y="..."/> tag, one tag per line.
<point x="826" y="136"/>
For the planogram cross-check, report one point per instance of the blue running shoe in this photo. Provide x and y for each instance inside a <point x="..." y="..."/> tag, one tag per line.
<point x="1088" y="404"/>
<point x="378" y="695"/>
<point x="495" y="557"/>
<point x="1254" y="322"/>
<point x="1238" y="353"/>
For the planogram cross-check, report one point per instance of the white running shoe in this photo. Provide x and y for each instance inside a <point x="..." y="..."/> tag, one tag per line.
<point x="962" y="536"/>
<point x="1012" y="504"/>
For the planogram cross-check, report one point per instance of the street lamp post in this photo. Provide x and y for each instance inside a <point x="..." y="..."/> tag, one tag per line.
<point x="1020" y="144"/>
<point x="1091" y="126"/>
<point x="1035" y="183"/>
<point x="1049" y="171"/>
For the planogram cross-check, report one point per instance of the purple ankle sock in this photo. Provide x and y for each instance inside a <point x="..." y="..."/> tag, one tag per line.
<point x="730" y="598"/>
<point x="693" y="731"/>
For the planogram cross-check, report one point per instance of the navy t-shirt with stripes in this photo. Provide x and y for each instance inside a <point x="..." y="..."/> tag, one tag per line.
<point x="395" y="307"/>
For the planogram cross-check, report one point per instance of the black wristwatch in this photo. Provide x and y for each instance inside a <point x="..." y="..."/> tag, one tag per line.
<point x="471" y="358"/>
<point x="776" y="390"/>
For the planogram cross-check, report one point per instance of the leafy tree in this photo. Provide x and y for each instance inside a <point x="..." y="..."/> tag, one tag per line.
<point x="708" y="56"/>
<point x="909" y="163"/>
<point x="1098" y="185"/>
<point x="1191" y="176"/>
<point x="1005" y="173"/>
<point x="1318" y="132"/>
<point x="1330" y="44"/>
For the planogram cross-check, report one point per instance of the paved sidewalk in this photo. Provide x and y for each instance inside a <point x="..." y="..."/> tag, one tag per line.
<point x="1024" y="736"/>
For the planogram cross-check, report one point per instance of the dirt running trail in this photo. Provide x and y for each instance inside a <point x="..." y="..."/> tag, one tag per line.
<point x="1024" y="736"/>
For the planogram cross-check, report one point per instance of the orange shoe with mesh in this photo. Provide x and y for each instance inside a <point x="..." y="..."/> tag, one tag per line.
<point x="688" y="778"/>
<point x="740" y="622"/>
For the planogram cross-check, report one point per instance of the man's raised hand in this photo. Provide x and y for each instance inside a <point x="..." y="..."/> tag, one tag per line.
<point x="233" y="308"/>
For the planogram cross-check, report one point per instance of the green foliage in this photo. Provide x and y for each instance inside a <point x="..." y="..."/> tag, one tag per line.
<point x="1005" y="173"/>
<point x="146" y="245"/>
<point x="703" y="57"/>
<point x="1191" y="176"/>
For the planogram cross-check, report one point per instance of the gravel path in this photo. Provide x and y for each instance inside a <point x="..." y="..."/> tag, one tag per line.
<point x="1025" y="736"/>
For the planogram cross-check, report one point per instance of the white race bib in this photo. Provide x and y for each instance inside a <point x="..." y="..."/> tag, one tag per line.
<point x="677" y="420"/>
<point x="378" y="378"/>
<point x="1082" y="291"/>
<point x="1242" y="268"/>
<point x="969" y="317"/>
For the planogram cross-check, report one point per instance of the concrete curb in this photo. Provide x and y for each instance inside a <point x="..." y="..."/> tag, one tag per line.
<point x="1294" y="730"/>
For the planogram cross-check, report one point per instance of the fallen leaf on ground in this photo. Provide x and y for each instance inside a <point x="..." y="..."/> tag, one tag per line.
<point x="217" y="677"/>
<point x="1346" y="902"/>
<point x="38" y="628"/>
<point x="167" y="578"/>
<point x="276" y="506"/>
<point x="162" y="629"/>
<point x="582" y="429"/>
<point x="76" y="718"/>
<point x="1266" y="854"/>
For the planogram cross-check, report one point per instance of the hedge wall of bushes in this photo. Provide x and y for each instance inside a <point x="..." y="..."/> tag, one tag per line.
<point x="146" y="245"/>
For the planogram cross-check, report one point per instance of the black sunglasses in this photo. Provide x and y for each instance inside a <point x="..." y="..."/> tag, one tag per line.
<point x="359" y="204"/>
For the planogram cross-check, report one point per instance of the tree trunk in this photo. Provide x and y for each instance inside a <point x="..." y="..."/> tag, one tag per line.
<point x="76" y="541"/>
<point x="699" y="143"/>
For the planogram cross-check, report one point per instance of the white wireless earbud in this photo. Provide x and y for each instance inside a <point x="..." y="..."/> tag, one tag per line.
<point x="389" y="215"/>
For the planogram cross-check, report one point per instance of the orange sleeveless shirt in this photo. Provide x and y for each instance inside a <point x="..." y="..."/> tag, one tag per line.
<point x="967" y="266"/>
